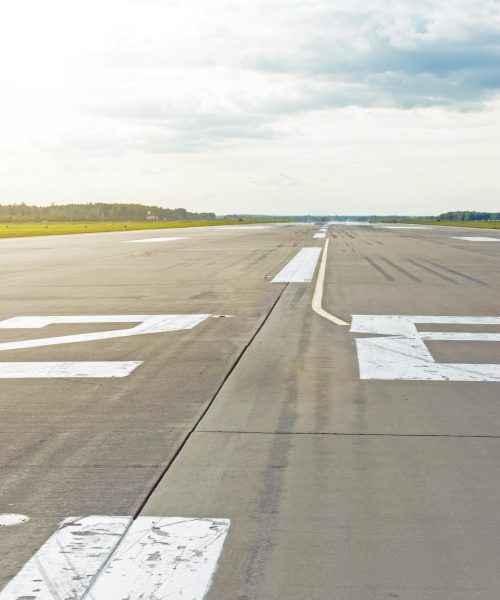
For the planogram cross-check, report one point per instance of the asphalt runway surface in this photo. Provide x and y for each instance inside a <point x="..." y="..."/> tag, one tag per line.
<point x="228" y="442"/>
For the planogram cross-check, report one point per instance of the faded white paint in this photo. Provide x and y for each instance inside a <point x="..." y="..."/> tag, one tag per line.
<point x="156" y="239"/>
<point x="112" y="558"/>
<point x="65" y="565"/>
<point x="34" y="370"/>
<point x="147" y="324"/>
<point x="405" y="227"/>
<point x="317" y="301"/>
<point x="301" y="268"/>
<point x="247" y="227"/>
<point x="12" y="519"/>
<point x="163" y="558"/>
<point x="404" y="355"/>
<point x="319" y="236"/>
<point x="477" y="238"/>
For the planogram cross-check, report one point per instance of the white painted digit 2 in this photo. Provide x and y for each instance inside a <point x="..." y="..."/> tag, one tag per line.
<point x="146" y="324"/>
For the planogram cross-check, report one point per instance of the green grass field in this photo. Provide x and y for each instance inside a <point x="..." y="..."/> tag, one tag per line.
<point x="478" y="224"/>
<point x="28" y="229"/>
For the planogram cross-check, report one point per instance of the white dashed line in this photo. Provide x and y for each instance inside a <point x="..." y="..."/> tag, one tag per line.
<point x="301" y="268"/>
<point x="319" y="236"/>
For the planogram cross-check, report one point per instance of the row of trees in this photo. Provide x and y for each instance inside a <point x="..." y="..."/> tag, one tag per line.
<point x="466" y="215"/>
<point x="97" y="212"/>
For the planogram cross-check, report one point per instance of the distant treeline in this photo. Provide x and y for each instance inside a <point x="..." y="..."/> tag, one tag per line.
<point x="465" y="215"/>
<point x="448" y="216"/>
<point x="326" y="218"/>
<point x="97" y="212"/>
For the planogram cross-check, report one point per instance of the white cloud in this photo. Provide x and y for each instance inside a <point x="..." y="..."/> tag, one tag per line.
<point x="229" y="105"/>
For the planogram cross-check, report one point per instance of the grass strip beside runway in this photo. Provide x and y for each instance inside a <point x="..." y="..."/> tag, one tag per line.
<point x="28" y="229"/>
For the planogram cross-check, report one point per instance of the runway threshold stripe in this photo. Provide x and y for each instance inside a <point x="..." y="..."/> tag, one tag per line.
<point x="171" y="558"/>
<point x="157" y="239"/>
<point x="301" y="268"/>
<point x="109" y="558"/>
<point x="66" y="564"/>
<point x="40" y="370"/>
<point x="477" y="238"/>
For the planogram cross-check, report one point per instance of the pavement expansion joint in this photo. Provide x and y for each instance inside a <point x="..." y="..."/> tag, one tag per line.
<point x="350" y="434"/>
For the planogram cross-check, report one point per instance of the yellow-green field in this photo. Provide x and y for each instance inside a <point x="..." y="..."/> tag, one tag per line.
<point x="21" y="229"/>
<point x="478" y="224"/>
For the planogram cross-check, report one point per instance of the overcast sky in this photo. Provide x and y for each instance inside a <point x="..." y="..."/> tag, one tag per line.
<point x="262" y="106"/>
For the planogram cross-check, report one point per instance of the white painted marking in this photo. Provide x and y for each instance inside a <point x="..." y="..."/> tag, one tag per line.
<point x="301" y="268"/>
<point x="108" y="558"/>
<point x="403" y="354"/>
<point x="317" y="301"/>
<point x="148" y="324"/>
<point x="11" y="519"/>
<point x="405" y="226"/>
<point x="157" y="239"/>
<point x="477" y="238"/>
<point x="64" y="566"/>
<point x="247" y="227"/>
<point x="319" y="236"/>
<point x="160" y="558"/>
<point x="33" y="370"/>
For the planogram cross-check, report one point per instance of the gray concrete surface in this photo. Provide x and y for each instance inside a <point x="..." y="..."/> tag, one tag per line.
<point x="342" y="488"/>
<point x="336" y="487"/>
<point x="98" y="446"/>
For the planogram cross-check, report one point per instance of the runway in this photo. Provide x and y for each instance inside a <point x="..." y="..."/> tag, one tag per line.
<point x="227" y="441"/>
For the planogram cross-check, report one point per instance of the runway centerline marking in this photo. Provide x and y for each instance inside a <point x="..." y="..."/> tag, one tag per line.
<point x="147" y="324"/>
<point x="301" y="268"/>
<point x="101" y="557"/>
<point x="477" y="238"/>
<point x="319" y="236"/>
<point x="403" y="354"/>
